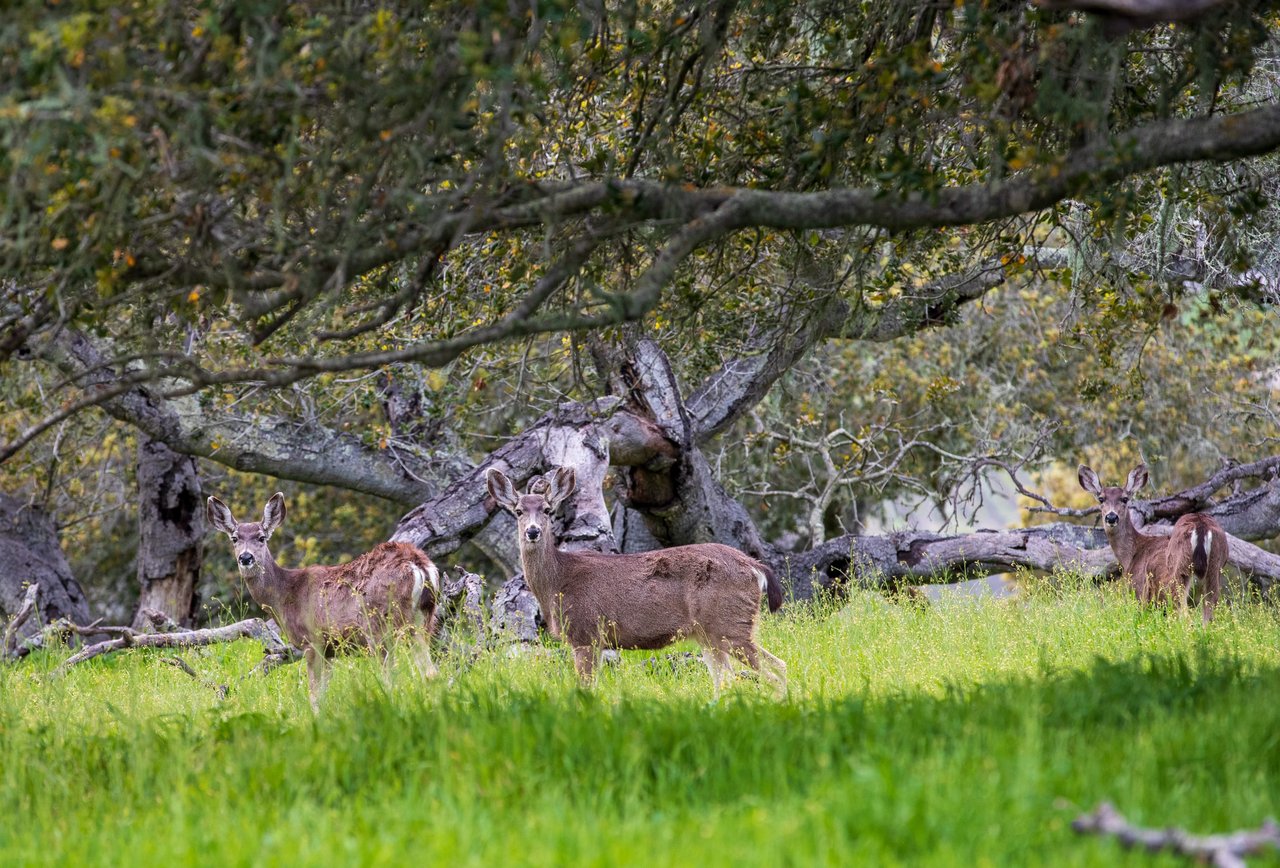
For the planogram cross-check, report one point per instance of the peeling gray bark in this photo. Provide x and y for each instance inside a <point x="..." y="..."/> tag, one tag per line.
<point x="593" y="435"/>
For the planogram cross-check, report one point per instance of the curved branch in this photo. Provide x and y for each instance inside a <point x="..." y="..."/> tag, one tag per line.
<point x="277" y="447"/>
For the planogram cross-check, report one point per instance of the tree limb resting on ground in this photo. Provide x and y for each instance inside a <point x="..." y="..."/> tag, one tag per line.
<point x="1226" y="850"/>
<point x="127" y="637"/>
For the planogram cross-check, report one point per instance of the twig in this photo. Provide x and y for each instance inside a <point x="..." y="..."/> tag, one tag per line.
<point x="179" y="663"/>
<point x="1221" y="850"/>
<point x="15" y="623"/>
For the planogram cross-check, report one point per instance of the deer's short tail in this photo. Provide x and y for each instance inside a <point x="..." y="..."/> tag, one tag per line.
<point x="1201" y="542"/>
<point x="769" y="585"/>
<point x="1198" y="546"/>
<point x="426" y="586"/>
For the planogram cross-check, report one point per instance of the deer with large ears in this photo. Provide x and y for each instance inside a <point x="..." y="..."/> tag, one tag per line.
<point x="364" y="603"/>
<point x="707" y="592"/>
<point x="1187" y="562"/>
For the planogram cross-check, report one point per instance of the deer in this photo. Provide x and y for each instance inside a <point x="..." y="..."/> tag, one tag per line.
<point x="707" y="592"/>
<point x="364" y="603"/>
<point x="1187" y="562"/>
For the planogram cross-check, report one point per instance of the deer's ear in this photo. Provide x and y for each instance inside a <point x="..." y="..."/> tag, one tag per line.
<point x="501" y="489"/>
<point x="563" y="482"/>
<point x="1089" y="480"/>
<point x="220" y="516"/>
<point x="1137" y="479"/>
<point x="273" y="514"/>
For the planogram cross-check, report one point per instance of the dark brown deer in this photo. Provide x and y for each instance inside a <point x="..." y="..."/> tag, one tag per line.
<point x="1186" y="563"/>
<point x="708" y="592"/>
<point x="364" y="603"/>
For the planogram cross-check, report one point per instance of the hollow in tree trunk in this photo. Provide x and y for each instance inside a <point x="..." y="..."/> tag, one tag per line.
<point x="171" y="532"/>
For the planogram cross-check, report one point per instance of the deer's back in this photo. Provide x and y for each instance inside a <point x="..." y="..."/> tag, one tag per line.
<point x="649" y="599"/>
<point x="358" y="602"/>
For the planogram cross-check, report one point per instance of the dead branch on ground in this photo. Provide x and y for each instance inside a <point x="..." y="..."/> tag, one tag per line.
<point x="179" y="663"/>
<point x="21" y="617"/>
<point x="1228" y="849"/>
<point x="127" y="637"/>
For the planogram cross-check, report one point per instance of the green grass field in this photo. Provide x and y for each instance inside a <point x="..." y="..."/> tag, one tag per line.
<point x="970" y="732"/>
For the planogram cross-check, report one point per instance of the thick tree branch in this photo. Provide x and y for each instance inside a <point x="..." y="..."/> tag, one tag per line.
<point x="277" y="447"/>
<point x="1142" y="13"/>
<point x="703" y="215"/>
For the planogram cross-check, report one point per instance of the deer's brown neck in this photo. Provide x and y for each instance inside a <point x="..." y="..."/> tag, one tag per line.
<point x="274" y="586"/>
<point x="1128" y="541"/>
<point x="543" y="568"/>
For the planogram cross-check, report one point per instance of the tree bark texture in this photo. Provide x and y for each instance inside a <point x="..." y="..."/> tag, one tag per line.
<point x="171" y="532"/>
<point x="29" y="553"/>
<point x="654" y="438"/>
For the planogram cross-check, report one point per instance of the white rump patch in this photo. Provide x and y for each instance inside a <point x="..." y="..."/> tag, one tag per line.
<point x="760" y="577"/>
<point x="1208" y="542"/>
<point x="434" y="575"/>
<point x="418" y="578"/>
<point x="1195" y="535"/>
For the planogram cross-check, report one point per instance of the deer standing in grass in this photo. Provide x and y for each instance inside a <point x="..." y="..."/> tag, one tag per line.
<point x="708" y="592"/>
<point x="1188" y="561"/>
<point x="364" y="603"/>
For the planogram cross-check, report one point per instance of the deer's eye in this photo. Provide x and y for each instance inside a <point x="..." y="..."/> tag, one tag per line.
<point x="1101" y="498"/>
<point x="519" y="512"/>
<point x="262" y="537"/>
<point x="1124" y="500"/>
<point x="546" y="510"/>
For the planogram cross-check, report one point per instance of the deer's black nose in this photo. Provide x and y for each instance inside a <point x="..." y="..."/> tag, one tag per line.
<point x="532" y="533"/>
<point x="1111" y="519"/>
<point x="246" y="559"/>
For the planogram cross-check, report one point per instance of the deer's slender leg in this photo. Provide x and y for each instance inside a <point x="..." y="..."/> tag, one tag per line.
<point x="719" y="665"/>
<point x="318" y="671"/>
<point x="584" y="661"/>
<point x="777" y="672"/>
<point x="422" y="648"/>
<point x="1210" y="602"/>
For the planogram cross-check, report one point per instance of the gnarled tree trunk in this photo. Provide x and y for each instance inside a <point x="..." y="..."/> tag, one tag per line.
<point x="29" y="552"/>
<point x="171" y="532"/>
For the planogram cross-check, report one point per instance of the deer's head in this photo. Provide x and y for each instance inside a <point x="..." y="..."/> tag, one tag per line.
<point x="533" y="511"/>
<point x="249" y="539"/>
<point x="1114" y="501"/>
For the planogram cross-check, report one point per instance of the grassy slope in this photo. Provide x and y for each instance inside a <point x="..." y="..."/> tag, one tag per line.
<point x="968" y="733"/>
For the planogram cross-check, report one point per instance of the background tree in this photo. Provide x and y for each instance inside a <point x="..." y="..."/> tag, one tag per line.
<point x="967" y="237"/>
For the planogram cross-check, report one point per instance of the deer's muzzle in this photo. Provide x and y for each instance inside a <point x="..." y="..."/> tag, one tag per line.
<point x="532" y="533"/>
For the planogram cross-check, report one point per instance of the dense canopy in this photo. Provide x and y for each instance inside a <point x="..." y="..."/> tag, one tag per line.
<point x="875" y="253"/>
